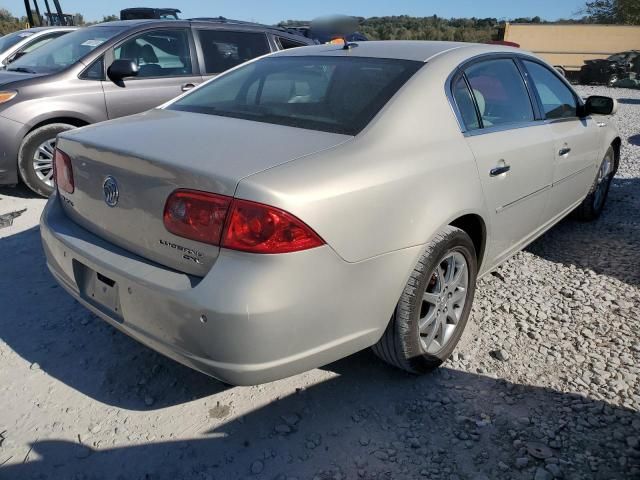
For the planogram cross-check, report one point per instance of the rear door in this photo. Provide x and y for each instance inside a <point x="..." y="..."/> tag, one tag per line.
<point x="222" y="49"/>
<point x="576" y="140"/>
<point x="167" y="67"/>
<point x="511" y="144"/>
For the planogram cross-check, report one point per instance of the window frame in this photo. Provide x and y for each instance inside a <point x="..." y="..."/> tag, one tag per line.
<point x="538" y="117"/>
<point x="563" y="80"/>
<point x="271" y="45"/>
<point x="109" y="55"/>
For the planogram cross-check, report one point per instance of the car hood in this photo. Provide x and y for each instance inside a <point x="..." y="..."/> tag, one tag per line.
<point x="7" y="78"/>
<point x="152" y="154"/>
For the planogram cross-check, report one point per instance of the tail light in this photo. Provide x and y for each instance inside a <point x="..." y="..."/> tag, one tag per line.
<point x="196" y="215"/>
<point x="63" y="171"/>
<point x="236" y="224"/>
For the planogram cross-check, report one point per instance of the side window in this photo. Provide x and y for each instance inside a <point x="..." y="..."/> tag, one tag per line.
<point x="500" y="92"/>
<point x="158" y="53"/>
<point x="557" y="99"/>
<point x="464" y="101"/>
<point x="223" y="49"/>
<point x="95" y="71"/>
<point x="285" y="43"/>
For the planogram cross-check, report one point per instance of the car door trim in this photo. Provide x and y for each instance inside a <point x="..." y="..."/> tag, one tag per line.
<point x="521" y="199"/>
<point x="571" y="175"/>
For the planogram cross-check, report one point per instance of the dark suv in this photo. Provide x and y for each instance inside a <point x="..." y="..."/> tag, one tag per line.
<point x="110" y="70"/>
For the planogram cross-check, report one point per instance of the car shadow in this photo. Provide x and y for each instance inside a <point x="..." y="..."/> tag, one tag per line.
<point x="607" y="246"/>
<point x="629" y="101"/>
<point x="634" y="140"/>
<point x="47" y="327"/>
<point x="18" y="191"/>
<point x="370" y="421"/>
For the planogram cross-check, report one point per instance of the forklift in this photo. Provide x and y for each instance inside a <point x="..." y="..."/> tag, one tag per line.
<point x="57" y="18"/>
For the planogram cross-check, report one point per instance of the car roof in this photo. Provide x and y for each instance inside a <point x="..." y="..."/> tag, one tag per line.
<point x="45" y="29"/>
<point x="220" y="21"/>
<point x="416" y="50"/>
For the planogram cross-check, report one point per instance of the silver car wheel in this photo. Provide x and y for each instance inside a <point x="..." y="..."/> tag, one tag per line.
<point x="443" y="302"/>
<point x="602" y="182"/>
<point x="43" y="161"/>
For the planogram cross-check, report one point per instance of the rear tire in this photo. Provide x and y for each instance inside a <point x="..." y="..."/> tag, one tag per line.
<point x="593" y="204"/>
<point x="419" y="338"/>
<point x="35" y="157"/>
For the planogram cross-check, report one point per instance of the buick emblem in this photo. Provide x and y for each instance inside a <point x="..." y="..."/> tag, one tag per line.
<point x="110" y="191"/>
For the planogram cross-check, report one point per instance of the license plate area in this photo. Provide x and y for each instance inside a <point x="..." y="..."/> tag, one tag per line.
<point x="98" y="290"/>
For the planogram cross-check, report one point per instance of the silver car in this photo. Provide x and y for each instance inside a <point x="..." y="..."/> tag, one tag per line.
<point x="322" y="200"/>
<point x="17" y="44"/>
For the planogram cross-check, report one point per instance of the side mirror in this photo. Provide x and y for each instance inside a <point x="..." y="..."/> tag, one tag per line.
<point x="121" y="69"/>
<point x="597" y="105"/>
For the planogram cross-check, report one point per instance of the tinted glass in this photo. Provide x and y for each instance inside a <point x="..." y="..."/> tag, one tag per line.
<point x="66" y="50"/>
<point x="557" y="99"/>
<point x="500" y="92"/>
<point x="95" y="71"/>
<point x="464" y="101"/>
<point x="11" y="39"/>
<point x="332" y="94"/>
<point x="224" y="50"/>
<point x="159" y="53"/>
<point x="285" y="43"/>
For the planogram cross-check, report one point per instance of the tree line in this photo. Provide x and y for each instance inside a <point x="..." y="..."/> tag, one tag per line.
<point x="405" y="27"/>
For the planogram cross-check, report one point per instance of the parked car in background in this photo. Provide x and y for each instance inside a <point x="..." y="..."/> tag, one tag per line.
<point x="18" y="44"/>
<point x="112" y="70"/>
<point x="322" y="200"/>
<point x="608" y="71"/>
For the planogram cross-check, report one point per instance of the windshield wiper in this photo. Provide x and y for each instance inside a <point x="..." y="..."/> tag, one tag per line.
<point x="21" y="70"/>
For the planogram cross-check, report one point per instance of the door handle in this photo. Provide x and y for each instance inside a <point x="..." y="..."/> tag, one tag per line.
<point x="494" y="172"/>
<point x="187" y="86"/>
<point x="564" y="151"/>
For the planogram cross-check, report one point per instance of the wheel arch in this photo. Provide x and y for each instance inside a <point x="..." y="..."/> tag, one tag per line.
<point x="76" y="122"/>
<point x="616" y="143"/>
<point x="474" y="226"/>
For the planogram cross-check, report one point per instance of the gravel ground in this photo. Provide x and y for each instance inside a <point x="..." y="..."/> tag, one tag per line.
<point x="545" y="383"/>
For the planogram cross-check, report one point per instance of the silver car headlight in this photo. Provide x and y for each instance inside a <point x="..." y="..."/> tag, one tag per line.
<point x="5" y="96"/>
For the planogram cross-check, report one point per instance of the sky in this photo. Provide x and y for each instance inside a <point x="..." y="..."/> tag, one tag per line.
<point x="273" y="11"/>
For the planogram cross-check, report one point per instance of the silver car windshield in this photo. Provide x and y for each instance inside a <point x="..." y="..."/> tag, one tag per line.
<point x="332" y="94"/>
<point x="64" y="51"/>
<point x="11" y="39"/>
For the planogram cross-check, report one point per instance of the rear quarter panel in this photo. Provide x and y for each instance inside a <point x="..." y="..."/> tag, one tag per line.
<point x="394" y="186"/>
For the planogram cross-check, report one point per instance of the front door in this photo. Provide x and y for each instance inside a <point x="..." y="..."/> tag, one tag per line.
<point x="576" y="140"/>
<point x="166" y="69"/>
<point x="513" y="151"/>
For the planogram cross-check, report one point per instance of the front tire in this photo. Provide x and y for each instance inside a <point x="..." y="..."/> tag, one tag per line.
<point x="434" y="307"/>
<point x="593" y="204"/>
<point x="35" y="157"/>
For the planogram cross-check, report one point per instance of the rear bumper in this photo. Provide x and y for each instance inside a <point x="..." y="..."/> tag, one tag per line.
<point x="268" y="316"/>
<point x="11" y="134"/>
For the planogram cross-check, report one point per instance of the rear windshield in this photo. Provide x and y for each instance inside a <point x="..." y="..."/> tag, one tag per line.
<point x="331" y="94"/>
<point x="64" y="51"/>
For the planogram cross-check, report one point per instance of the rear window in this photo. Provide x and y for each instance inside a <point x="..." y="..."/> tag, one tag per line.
<point x="224" y="49"/>
<point x="331" y="94"/>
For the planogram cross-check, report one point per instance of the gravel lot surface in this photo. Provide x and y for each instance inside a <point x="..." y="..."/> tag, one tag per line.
<point x="545" y="383"/>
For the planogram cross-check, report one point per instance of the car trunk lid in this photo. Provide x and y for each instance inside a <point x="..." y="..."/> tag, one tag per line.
<point x="152" y="154"/>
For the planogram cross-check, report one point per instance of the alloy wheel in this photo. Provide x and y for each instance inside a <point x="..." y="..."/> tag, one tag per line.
<point x="602" y="182"/>
<point x="43" y="161"/>
<point x="443" y="302"/>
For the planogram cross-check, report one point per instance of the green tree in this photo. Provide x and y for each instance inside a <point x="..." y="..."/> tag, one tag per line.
<point x="613" y="11"/>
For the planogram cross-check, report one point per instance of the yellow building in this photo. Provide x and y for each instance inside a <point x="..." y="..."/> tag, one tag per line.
<point x="568" y="46"/>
